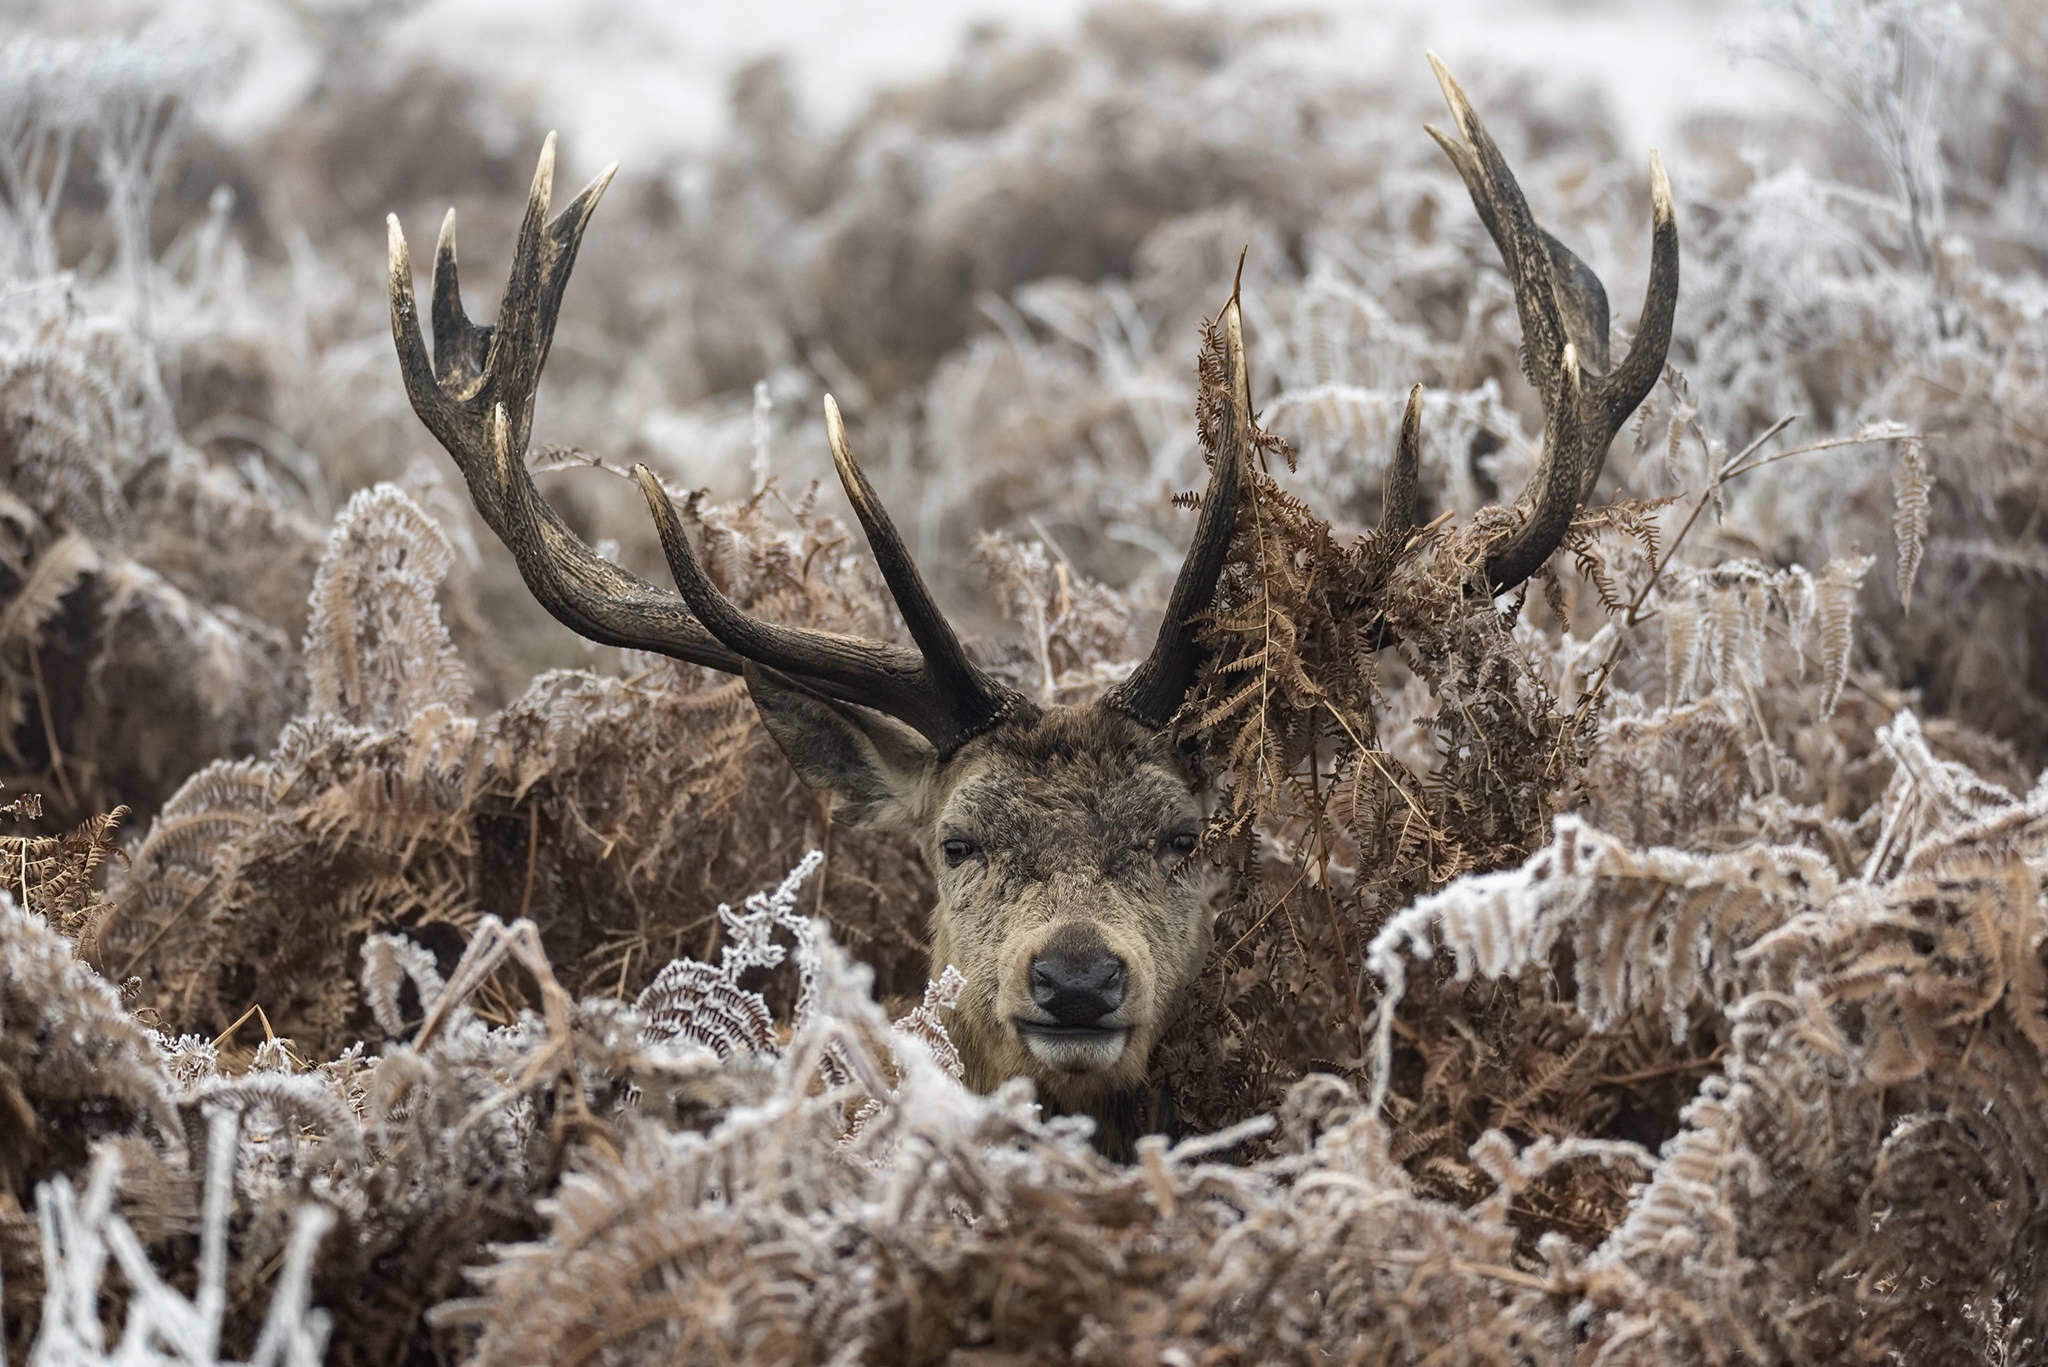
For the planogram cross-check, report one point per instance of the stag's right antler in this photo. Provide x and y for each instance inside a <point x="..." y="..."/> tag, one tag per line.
<point x="1563" y="310"/>
<point x="476" y="396"/>
<point x="935" y="689"/>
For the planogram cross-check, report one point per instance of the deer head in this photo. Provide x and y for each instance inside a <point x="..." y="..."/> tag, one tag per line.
<point x="1059" y="836"/>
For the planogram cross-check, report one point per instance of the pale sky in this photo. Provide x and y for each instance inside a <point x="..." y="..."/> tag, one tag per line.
<point x="631" y="78"/>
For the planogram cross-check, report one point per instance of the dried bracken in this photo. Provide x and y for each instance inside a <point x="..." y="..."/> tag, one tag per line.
<point x="1646" y="966"/>
<point x="593" y="806"/>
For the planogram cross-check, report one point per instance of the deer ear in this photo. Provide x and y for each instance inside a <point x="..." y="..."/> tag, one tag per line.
<point x="876" y="768"/>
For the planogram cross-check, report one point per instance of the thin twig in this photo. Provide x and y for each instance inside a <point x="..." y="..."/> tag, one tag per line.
<point x="532" y="858"/>
<point x="1734" y="465"/>
<point x="1686" y="1065"/>
<point x="1735" y="471"/>
<point x="1266" y="915"/>
<point x="35" y="669"/>
<point x="175" y="917"/>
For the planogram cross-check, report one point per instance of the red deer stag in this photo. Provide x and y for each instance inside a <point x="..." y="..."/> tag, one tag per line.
<point x="1059" y="835"/>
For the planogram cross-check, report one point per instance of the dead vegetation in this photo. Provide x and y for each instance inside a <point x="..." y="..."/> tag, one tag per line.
<point x="1644" y="968"/>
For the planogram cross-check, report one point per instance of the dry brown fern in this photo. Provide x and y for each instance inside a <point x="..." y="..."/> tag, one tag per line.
<point x="75" y="1067"/>
<point x="1883" y="1042"/>
<point x="143" y="590"/>
<point x="607" y="809"/>
<point x="1323" y="824"/>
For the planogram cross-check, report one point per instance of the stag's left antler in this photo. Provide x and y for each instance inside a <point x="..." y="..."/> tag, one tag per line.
<point x="1563" y="310"/>
<point x="1157" y="687"/>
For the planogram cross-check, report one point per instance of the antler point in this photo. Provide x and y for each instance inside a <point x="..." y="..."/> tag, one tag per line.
<point x="835" y="435"/>
<point x="596" y="189"/>
<point x="650" y="488"/>
<point x="1454" y="96"/>
<point x="544" y="175"/>
<point x="1660" y="190"/>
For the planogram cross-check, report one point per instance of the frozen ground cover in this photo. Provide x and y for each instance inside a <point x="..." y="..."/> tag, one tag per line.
<point x="1646" y="968"/>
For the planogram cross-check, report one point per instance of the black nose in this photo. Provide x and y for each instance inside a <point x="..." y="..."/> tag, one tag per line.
<point x="1076" y="980"/>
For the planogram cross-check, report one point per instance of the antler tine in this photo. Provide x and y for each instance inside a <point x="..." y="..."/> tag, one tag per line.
<point x="1629" y="383"/>
<point x="1401" y="500"/>
<point x="1404" y="476"/>
<point x="476" y="396"/>
<point x="874" y="674"/>
<point x="1563" y="310"/>
<point x="460" y="346"/>
<point x="1498" y="198"/>
<point x="541" y="262"/>
<point x="1159" y="685"/>
<point x="977" y="700"/>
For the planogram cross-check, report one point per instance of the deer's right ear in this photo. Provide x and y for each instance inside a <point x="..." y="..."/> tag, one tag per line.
<point x="876" y="768"/>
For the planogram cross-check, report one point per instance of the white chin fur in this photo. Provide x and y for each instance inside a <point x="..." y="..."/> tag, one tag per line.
<point x="1065" y="1054"/>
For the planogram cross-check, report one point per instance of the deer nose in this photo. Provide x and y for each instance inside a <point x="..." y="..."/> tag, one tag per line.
<point x="1077" y="985"/>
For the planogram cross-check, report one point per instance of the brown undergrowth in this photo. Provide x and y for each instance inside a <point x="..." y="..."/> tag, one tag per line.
<point x="1638" y="970"/>
<point x="1553" y="1059"/>
<point x="595" y="806"/>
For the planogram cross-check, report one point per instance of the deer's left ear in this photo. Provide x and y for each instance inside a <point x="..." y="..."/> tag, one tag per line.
<point x="877" y="769"/>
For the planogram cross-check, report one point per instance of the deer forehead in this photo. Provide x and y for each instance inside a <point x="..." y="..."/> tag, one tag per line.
<point x="1077" y="773"/>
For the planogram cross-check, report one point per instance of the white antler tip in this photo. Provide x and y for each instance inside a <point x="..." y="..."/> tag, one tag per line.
<point x="596" y="189"/>
<point x="1461" y="108"/>
<point x="651" y="489"/>
<point x="1660" y="189"/>
<point x="835" y="431"/>
<point x="544" y="173"/>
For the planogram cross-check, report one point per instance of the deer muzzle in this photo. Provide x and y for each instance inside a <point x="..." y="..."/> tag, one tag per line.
<point x="1077" y="986"/>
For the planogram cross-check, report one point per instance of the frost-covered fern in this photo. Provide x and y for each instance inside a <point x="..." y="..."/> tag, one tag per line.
<point x="1643" y="969"/>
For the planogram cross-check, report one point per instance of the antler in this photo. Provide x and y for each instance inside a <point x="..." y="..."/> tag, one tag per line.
<point x="1156" y="688"/>
<point x="1404" y="475"/>
<point x="939" y="691"/>
<point x="476" y="397"/>
<point x="1563" y="310"/>
<point x="935" y="689"/>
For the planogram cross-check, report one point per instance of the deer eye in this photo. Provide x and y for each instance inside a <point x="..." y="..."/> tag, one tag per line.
<point x="1180" y="843"/>
<point x="958" y="851"/>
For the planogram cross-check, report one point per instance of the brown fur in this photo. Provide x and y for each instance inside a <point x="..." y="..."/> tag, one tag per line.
<point x="1071" y="811"/>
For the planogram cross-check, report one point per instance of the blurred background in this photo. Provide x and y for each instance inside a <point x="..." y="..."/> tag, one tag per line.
<point x="639" y="80"/>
